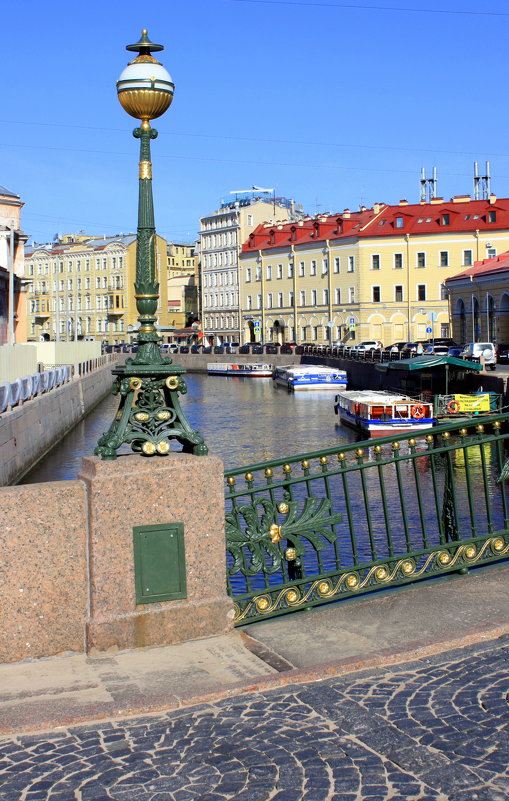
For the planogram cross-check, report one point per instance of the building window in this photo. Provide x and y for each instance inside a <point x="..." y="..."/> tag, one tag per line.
<point x="375" y="262"/>
<point x="337" y="264"/>
<point x="421" y="260"/>
<point x="269" y="300"/>
<point x="467" y="258"/>
<point x="398" y="293"/>
<point x="250" y="220"/>
<point x="314" y="330"/>
<point x="443" y="292"/>
<point x="280" y="271"/>
<point x="313" y="297"/>
<point x="351" y="294"/>
<point x="399" y="222"/>
<point x="312" y="269"/>
<point x="290" y="269"/>
<point x="248" y="275"/>
<point x="258" y="275"/>
<point x="301" y="269"/>
<point x="290" y="298"/>
<point x="376" y="294"/>
<point x="492" y="216"/>
<point x="325" y="266"/>
<point x="491" y="253"/>
<point x="351" y="264"/>
<point x="446" y="219"/>
<point x="269" y="272"/>
<point x="249" y="302"/>
<point x="280" y="299"/>
<point x="337" y="295"/>
<point x="325" y="294"/>
<point x="302" y="297"/>
<point x="398" y="261"/>
<point x="421" y="291"/>
<point x="444" y="258"/>
<point x="258" y="301"/>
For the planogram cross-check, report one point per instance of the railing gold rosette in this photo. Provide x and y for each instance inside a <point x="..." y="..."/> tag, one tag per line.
<point x="149" y="415"/>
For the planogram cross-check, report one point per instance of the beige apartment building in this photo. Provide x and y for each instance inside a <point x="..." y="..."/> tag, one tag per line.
<point x="182" y="279"/>
<point x="222" y="234"/>
<point x="373" y="274"/>
<point x="83" y="288"/>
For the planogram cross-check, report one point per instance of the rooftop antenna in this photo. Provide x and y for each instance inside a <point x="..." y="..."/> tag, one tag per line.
<point x="482" y="183"/>
<point x="428" y="186"/>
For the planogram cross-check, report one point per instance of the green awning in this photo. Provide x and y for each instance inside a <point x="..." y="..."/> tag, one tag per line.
<point x="427" y="362"/>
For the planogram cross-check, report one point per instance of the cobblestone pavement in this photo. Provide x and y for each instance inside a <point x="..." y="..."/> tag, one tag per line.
<point x="436" y="729"/>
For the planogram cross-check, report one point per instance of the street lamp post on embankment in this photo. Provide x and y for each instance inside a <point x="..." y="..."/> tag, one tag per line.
<point x="149" y="413"/>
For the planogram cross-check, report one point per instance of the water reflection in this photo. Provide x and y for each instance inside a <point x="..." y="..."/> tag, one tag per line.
<point x="242" y="420"/>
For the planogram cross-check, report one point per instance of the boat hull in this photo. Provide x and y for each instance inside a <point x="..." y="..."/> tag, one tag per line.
<point x="240" y="370"/>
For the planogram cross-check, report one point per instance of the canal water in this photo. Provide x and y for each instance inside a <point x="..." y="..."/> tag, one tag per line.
<point x="242" y="420"/>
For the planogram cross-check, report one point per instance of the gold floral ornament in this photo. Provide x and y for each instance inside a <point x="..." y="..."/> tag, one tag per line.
<point x="381" y="573"/>
<point x="283" y="508"/>
<point x="444" y="557"/>
<point x="172" y="382"/>
<point x="135" y="383"/>
<point x="262" y="603"/>
<point x="324" y="588"/>
<point x="275" y="533"/>
<point x="292" y="596"/>
<point x="290" y="554"/>
<point x="408" y="567"/>
<point x="352" y="581"/>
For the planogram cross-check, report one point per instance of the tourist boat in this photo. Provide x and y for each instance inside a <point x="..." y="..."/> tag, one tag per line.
<point x="236" y="369"/>
<point x="380" y="414"/>
<point x="310" y="376"/>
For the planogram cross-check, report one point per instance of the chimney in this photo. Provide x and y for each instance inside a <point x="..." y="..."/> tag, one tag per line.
<point x="346" y="214"/>
<point x="403" y="202"/>
<point x="492" y="199"/>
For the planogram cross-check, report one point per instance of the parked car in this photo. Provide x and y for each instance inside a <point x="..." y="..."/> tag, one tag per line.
<point x="474" y="350"/>
<point x="503" y="352"/>
<point x="395" y="346"/>
<point x="371" y="344"/>
<point x="456" y="351"/>
<point x="437" y="350"/>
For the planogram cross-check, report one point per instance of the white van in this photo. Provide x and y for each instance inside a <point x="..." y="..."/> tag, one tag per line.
<point x="474" y="350"/>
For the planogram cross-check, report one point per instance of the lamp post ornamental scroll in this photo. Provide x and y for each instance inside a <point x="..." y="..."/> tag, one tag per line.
<point x="149" y="413"/>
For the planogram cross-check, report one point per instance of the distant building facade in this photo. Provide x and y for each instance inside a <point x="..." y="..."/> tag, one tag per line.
<point x="83" y="288"/>
<point x="372" y="274"/>
<point x="479" y="301"/>
<point x="182" y="278"/>
<point x="222" y="234"/>
<point x="12" y="242"/>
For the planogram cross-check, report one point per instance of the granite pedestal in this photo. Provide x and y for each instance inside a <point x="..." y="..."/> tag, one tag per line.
<point x="138" y="491"/>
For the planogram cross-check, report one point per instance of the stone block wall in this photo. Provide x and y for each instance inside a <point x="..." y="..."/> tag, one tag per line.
<point x="67" y="565"/>
<point x="43" y="588"/>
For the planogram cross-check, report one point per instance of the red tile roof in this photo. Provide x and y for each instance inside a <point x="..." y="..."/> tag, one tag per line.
<point x="382" y="220"/>
<point x="484" y="267"/>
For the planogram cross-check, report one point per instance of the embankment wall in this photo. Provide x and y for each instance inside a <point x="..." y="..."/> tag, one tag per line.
<point x="28" y="432"/>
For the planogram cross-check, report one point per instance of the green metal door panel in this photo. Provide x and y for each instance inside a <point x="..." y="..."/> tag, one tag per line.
<point x="159" y="563"/>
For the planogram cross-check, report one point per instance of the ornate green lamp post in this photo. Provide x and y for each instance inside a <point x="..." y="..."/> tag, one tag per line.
<point x="149" y="413"/>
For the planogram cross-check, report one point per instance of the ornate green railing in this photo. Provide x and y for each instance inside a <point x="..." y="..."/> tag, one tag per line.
<point x="334" y="523"/>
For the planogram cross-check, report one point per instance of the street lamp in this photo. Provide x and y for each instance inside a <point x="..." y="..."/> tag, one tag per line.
<point x="149" y="413"/>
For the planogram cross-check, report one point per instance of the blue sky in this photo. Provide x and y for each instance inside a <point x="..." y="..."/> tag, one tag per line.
<point x="334" y="104"/>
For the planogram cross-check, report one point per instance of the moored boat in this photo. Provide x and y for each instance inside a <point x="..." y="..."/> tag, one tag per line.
<point x="310" y="376"/>
<point x="240" y="369"/>
<point x="380" y="414"/>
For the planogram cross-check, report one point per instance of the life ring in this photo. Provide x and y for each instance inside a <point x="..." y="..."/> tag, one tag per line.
<point x="453" y="406"/>
<point x="235" y="366"/>
<point x="417" y="411"/>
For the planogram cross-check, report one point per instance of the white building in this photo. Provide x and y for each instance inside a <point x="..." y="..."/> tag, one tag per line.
<point x="222" y="234"/>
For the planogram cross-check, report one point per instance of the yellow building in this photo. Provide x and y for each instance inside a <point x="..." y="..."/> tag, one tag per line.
<point x="374" y="274"/>
<point x="182" y="277"/>
<point x="84" y="289"/>
<point x="479" y="301"/>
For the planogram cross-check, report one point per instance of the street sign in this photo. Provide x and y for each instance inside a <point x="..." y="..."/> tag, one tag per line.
<point x="351" y="327"/>
<point x="429" y="330"/>
<point x="352" y="320"/>
<point x="257" y="325"/>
